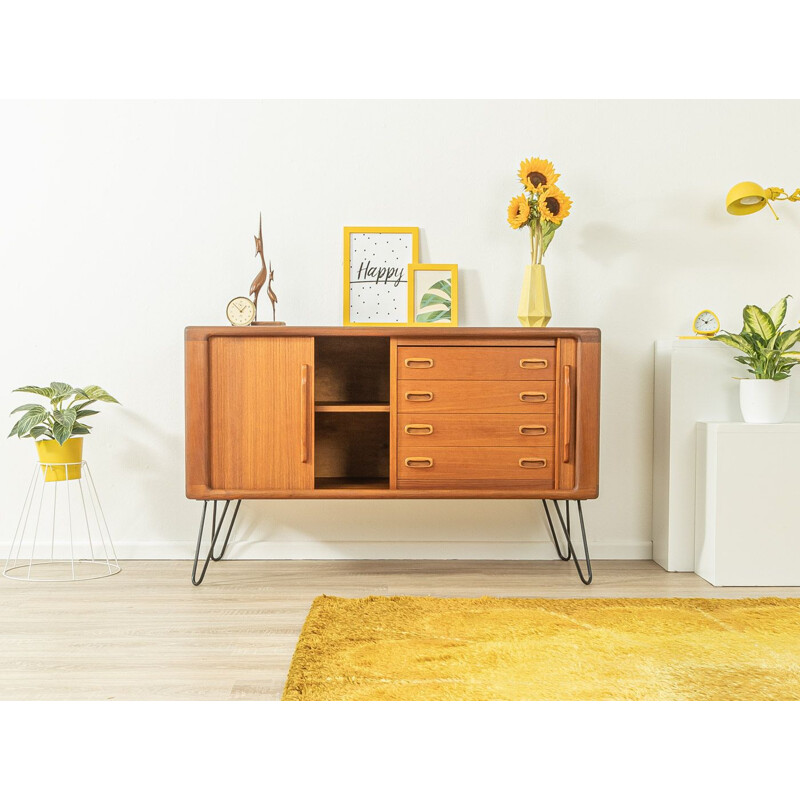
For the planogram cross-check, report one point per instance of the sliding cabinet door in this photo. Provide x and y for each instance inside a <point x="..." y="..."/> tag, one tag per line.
<point x="261" y="412"/>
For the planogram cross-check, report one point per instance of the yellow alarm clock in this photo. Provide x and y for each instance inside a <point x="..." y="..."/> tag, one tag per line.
<point x="705" y="325"/>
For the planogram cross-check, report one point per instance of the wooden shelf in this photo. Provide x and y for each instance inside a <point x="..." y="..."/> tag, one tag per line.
<point x="351" y="407"/>
<point x="351" y="483"/>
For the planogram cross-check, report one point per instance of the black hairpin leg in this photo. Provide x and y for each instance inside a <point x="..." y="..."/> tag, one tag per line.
<point x="567" y="531"/>
<point x="216" y="529"/>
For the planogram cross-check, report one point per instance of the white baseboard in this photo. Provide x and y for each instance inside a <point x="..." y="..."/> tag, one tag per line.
<point x="321" y="550"/>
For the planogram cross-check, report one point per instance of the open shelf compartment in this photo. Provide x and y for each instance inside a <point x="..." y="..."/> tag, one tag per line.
<point x="351" y="451"/>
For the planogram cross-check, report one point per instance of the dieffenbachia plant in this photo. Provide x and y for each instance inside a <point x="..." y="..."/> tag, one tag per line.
<point x="68" y="407"/>
<point x="767" y="347"/>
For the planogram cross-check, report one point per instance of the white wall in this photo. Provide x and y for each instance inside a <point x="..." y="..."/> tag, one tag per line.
<point x="122" y="222"/>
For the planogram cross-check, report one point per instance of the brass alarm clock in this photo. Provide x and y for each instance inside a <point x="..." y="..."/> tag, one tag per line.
<point x="241" y="311"/>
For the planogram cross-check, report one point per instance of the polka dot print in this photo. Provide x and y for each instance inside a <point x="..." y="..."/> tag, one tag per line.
<point x="379" y="276"/>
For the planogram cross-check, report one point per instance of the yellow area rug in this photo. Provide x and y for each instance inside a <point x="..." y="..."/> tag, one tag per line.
<point x="427" y="648"/>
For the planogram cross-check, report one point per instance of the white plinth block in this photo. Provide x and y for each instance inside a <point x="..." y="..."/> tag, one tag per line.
<point x="747" y="526"/>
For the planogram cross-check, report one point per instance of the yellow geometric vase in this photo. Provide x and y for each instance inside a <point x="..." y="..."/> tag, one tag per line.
<point x="51" y="452"/>
<point x="534" y="302"/>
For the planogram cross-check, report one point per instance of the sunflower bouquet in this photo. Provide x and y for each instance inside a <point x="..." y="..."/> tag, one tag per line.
<point x="542" y="207"/>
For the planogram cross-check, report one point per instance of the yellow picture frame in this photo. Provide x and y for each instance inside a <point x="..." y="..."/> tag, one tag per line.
<point x="413" y="271"/>
<point x="347" y="278"/>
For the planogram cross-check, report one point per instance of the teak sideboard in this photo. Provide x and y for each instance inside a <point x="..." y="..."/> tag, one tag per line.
<point x="296" y="412"/>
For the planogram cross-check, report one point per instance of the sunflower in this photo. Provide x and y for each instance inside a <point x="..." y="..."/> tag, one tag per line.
<point x="518" y="211"/>
<point x="537" y="174"/>
<point x="554" y="205"/>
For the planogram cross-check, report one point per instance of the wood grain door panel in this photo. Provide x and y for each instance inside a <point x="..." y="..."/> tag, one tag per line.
<point x="476" y="430"/>
<point x="476" y="363"/>
<point x="261" y="412"/>
<point x="475" y="397"/>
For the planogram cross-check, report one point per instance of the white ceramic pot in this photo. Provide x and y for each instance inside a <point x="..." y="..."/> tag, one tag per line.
<point x="763" y="401"/>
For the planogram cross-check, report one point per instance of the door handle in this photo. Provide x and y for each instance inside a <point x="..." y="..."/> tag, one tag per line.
<point x="419" y="363"/>
<point x="566" y="425"/>
<point x="533" y="363"/>
<point x="419" y="397"/>
<point x="304" y="413"/>
<point x="418" y="430"/>
<point x="533" y="463"/>
<point x="533" y="397"/>
<point x="533" y="430"/>
<point x="419" y="463"/>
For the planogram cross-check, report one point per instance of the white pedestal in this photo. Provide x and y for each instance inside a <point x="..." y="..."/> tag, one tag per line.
<point x="693" y="383"/>
<point x="747" y="527"/>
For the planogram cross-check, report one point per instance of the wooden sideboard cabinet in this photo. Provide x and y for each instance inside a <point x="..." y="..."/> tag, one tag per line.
<point x="294" y="412"/>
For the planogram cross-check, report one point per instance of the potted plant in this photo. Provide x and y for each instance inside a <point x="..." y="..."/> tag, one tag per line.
<point x="58" y="430"/>
<point x="769" y="358"/>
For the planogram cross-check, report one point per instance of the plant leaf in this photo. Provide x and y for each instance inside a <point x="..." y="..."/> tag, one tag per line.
<point x="45" y="391"/>
<point x="61" y="432"/>
<point x="66" y="417"/>
<point x="548" y="232"/>
<point x="778" y="312"/>
<point x="787" y="339"/>
<point x="30" y="407"/>
<point x="61" y="389"/>
<point x="758" y="322"/>
<point x="734" y="340"/>
<point x="84" y="412"/>
<point x="37" y="431"/>
<point x="81" y="430"/>
<point x="98" y="393"/>
<point x="31" y="419"/>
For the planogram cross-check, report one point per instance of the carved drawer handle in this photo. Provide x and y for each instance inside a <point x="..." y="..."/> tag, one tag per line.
<point x="533" y="397"/>
<point x="419" y="363"/>
<point x="533" y="363"/>
<point x="419" y="397"/>
<point x="533" y="430"/>
<point x="418" y="430"/>
<point x="533" y="463"/>
<point x="419" y="463"/>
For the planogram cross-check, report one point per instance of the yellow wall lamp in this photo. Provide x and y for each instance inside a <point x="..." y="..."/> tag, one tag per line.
<point x="748" y="197"/>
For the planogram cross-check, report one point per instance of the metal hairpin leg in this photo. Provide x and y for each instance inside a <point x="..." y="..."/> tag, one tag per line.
<point x="216" y="529"/>
<point x="566" y="529"/>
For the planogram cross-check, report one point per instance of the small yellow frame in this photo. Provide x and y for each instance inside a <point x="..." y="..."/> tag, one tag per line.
<point x="413" y="269"/>
<point x="346" y="293"/>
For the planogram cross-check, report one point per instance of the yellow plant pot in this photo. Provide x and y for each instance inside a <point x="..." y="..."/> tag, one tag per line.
<point x="51" y="452"/>
<point x="534" y="302"/>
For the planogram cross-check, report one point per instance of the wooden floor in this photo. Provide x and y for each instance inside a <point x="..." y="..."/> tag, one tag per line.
<point x="147" y="633"/>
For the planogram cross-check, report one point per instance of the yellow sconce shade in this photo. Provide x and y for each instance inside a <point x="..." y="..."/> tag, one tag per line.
<point x="746" y="198"/>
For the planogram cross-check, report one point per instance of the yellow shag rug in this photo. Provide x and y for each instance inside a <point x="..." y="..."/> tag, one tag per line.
<point x="427" y="648"/>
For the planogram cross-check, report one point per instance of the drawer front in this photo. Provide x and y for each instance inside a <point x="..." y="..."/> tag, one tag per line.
<point x="477" y="363"/>
<point x="475" y="397"/>
<point x="453" y="464"/>
<point x="475" y="430"/>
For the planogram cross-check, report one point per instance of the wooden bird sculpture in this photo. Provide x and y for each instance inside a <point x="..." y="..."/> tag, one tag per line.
<point x="273" y="298"/>
<point x="261" y="278"/>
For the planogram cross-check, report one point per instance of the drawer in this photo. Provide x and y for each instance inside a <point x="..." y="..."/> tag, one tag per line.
<point x="477" y="363"/>
<point x="475" y="430"/>
<point x="453" y="464"/>
<point x="475" y="397"/>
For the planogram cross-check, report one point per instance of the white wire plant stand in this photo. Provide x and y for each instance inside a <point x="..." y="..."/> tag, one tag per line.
<point x="62" y="533"/>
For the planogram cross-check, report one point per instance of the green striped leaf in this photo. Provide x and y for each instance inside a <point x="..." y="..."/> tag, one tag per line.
<point x="45" y="391"/>
<point x="778" y="312"/>
<point x="734" y="340"/>
<point x="98" y="393"/>
<point x="29" y="407"/>
<point x="759" y="322"/>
